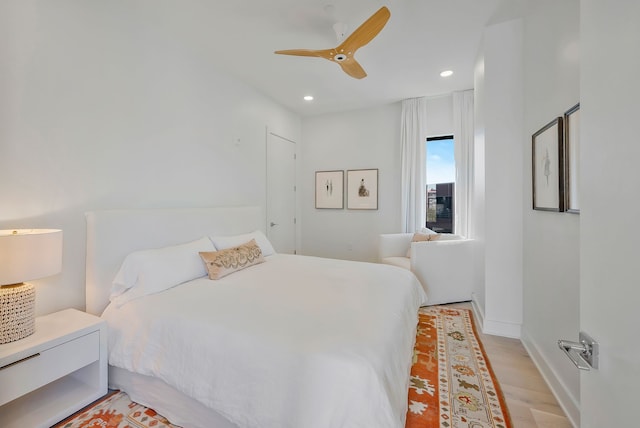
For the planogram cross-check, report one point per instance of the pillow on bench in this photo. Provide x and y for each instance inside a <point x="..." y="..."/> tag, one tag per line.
<point x="422" y="237"/>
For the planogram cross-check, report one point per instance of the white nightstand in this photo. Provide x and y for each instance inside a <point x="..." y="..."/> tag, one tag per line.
<point x="55" y="372"/>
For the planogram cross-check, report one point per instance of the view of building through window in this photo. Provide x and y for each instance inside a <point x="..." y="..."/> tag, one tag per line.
<point x="441" y="177"/>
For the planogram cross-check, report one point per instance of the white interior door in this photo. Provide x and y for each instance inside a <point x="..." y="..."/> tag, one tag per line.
<point x="609" y="289"/>
<point x="281" y="193"/>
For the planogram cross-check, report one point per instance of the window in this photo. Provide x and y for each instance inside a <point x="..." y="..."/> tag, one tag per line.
<point x="441" y="177"/>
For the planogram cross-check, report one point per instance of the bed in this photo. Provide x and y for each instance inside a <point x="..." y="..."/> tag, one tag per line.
<point x="294" y="341"/>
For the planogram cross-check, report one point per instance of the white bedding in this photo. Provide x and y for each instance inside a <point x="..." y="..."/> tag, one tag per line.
<point x="293" y="342"/>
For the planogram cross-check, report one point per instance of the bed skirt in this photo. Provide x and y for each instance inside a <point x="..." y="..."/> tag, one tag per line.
<point x="178" y="408"/>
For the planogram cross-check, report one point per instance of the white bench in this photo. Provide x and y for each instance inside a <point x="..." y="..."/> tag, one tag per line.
<point x="444" y="267"/>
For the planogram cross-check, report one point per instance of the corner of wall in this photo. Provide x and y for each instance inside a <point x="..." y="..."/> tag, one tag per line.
<point x="478" y="310"/>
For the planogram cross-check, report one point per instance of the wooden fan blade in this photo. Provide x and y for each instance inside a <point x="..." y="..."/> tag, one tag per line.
<point x="343" y="54"/>
<point x="353" y="68"/>
<point x="365" y="32"/>
<point x="326" y="53"/>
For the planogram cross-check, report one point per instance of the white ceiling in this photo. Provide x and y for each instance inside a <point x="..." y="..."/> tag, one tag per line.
<point x="422" y="38"/>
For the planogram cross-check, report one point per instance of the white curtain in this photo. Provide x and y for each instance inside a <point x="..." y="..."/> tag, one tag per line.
<point x="463" y="151"/>
<point x="413" y="136"/>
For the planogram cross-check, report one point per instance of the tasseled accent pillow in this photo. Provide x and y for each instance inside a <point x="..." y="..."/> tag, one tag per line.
<point x="224" y="262"/>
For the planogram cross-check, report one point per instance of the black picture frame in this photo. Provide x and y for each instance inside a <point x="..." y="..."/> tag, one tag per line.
<point x="572" y="159"/>
<point x="548" y="167"/>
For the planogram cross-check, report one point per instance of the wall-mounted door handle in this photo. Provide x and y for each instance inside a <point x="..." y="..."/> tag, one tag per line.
<point x="273" y="224"/>
<point x="583" y="354"/>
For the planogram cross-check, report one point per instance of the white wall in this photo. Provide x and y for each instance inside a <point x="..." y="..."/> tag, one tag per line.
<point x="104" y="106"/>
<point x="551" y="240"/>
<point x="527" y="268"/>
<point x="497" y="206"/>
<point x="358" y="139"/>
<point x="367" y="138"/>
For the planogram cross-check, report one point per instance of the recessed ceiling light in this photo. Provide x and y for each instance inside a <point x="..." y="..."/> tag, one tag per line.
<point x="446" y="73"/>
<point x="308" y="98"/>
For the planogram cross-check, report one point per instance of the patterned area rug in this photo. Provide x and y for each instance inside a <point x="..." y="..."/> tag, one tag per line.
<point x="452" y="384"/>
<point x="116" y="411"/>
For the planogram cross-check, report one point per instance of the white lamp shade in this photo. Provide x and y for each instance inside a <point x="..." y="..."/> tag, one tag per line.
<point x="27" y="254"/>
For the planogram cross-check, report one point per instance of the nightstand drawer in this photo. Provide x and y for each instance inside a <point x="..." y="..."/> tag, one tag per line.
<point x="50" y="364"/>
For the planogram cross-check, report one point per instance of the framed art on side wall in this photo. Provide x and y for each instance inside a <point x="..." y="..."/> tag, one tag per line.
<point x="330" y="189"/>
<point x="572" y="164"/>
<point x="362" y="189"/>
<point x="548" y="167"/>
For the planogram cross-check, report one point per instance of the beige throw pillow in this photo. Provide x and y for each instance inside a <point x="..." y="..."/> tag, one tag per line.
<point x="224" y="262"/>
<point x="419" y="237"/>
<point x="422" y="237"/>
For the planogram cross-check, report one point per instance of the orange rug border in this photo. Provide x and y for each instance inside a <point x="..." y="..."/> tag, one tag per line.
<point x="435" y="366"/>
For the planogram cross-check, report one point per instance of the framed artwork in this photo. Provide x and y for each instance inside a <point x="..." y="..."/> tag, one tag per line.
<point x="572" y="159"/>
<point x="362" y="189"/>
<point x="548" y="167"/>
<point x="330" y="189"/>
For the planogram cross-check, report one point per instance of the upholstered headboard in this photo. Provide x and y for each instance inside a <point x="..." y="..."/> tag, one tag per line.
<point x="113" y="234"/>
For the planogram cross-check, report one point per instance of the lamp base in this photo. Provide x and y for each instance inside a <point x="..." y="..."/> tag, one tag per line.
<point x="17" y="312"/>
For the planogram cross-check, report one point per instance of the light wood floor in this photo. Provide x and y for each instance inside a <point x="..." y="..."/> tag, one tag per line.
<point x="530" y="401"/>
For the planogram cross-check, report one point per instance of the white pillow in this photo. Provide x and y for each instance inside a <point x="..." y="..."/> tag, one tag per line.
<point x="224" y="242"/>
<point x="151" y="271"/>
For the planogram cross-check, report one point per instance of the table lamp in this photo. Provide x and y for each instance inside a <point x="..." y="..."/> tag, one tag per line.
<point x="25" y="254"/>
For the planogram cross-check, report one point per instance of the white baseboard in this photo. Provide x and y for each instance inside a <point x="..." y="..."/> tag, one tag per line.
<point x="502" y="328"/>
<point x="568" y="402"/>
<point x="495" y="328"/>
<point x="477" y="312"/>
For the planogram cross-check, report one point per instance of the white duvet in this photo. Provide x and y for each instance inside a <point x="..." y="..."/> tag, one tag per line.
<point x="297" y="341"/>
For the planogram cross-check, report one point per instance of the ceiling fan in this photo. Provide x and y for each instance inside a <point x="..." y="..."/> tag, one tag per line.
<point x="343" y="54"/>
